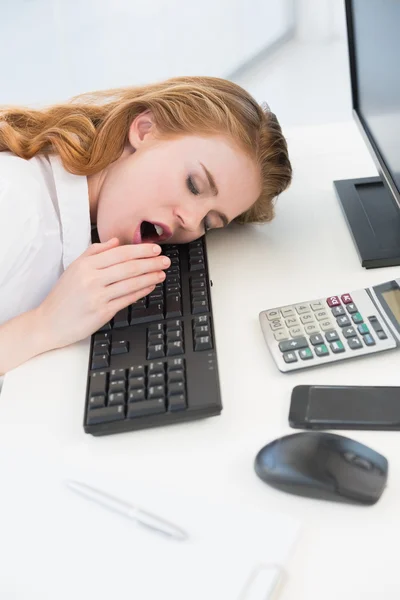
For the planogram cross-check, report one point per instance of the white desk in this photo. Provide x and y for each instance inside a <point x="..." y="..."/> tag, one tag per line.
<point x="344" y="552"/>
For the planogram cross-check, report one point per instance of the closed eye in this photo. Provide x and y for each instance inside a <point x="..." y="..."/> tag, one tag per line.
<point x="191" y="186"/>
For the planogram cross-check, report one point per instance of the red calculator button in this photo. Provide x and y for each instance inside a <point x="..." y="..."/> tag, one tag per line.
<point x="346" y="299"/>
<point x="333" y="301"/>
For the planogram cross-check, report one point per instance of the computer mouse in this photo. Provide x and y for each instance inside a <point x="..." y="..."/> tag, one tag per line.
<point x="325" y="466"/>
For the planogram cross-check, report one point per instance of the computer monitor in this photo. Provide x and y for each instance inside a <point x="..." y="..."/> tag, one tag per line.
<point x="372" y="206"/>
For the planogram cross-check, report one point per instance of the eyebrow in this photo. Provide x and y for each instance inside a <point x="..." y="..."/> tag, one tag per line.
<point x="214" y="191"/>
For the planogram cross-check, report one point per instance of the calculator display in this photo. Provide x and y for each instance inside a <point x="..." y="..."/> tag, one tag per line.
<point x="392" y="298"/>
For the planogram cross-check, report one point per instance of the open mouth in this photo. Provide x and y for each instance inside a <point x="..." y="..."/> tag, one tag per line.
<point x="148" y="232"/>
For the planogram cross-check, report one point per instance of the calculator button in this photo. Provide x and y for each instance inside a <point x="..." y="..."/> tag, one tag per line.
<point x="357" y="318"/>
<point x="333" y="301"/>
<point x="310" y="329"/>
<point x="305" y="354"/>
<point x="363" y="329"/>
<point x="338" y="311"/>
<point x="272" y="314"/>
<point x="281" y="334"/>
<point x="308" y="318"/>
<point x="289" y="357"/>
<point x="369" y="340"/>
<point x="332" y="336"/>
<point x="322" y="314"/>
<point x="337" y="347"/>
<point x="381" y="335"/>
<point x="321" y="350"/>
<point x="293" y="344"/>
<point x="354" y="343"/>
<point x="317" y="306"/>
<point x="292" y="322"/>
<point x="316" y="339"/>
<point x="302" y="308"/>
<point x="346" y="299"/>
<point x="343" y="321"/>
<point x="349" y="332"/>
<point x="326" y="325"/>
<point x="288" y="312"/>
<point x="296" y="332"/>
<point x="351" y="308"/>
<point x="277" y="324"/>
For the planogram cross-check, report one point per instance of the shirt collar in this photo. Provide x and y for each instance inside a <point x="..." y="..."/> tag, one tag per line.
<point x="73" y="202"/>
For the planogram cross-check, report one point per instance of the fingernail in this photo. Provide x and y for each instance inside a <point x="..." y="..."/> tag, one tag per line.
<point x="161" y="276"/>
<point x="166" y="261"/>
<point x="156" y="249"/>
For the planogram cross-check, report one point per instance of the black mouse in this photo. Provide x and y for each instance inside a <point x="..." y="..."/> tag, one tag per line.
<point x="323" y="465"/>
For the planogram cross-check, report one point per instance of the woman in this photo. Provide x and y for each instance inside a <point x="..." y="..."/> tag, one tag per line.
<point x="159" y="163"/>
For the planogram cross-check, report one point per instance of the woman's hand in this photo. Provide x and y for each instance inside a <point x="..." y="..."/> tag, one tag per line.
<point x="103" y="280"/>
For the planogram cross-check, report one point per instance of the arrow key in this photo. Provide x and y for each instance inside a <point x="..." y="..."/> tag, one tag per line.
<point x="290" y="345"/>
<point x="349" y="332"/>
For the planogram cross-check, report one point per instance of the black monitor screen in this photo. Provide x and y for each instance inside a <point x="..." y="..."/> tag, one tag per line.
<point x="376" y="30"/>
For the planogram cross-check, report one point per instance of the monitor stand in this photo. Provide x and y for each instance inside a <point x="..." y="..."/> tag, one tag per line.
<point x="373" y="218"/>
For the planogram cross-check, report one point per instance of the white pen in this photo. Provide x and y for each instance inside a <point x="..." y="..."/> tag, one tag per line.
<point x="127" y="510"/>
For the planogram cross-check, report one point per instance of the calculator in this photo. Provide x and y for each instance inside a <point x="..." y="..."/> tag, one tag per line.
<point x="326" y="330"/>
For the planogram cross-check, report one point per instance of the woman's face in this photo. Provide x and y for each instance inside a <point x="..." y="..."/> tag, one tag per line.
<point x="171" y="190"/>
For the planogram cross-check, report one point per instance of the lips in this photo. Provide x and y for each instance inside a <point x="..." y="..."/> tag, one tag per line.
<point x="150" y="231"/>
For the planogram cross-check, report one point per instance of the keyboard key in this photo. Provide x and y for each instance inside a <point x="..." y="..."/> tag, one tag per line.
<point x="105" y="327"/>
<point x="177" y="375"/>
<point x="156" y="379"/>
<point x="105" y="415"/>
<point x="116" y="399"/>
<point x="281" y="334"/>
<point x="296" y="332"/>
<point x="136" y="371"/>
<point x="289" y="357"/>
<point x="102" y="337"/>
<point x="311" y="329"/>
<point x="202" y="330"/>
<point x="203" y="320"/>
<point x="337" y="347"/>
<point x="98" y="383"/>
<point x="363" y="329"/>
<point x="174" y="348"/>
<point x="173" y="306"/>
<point x="176" y="364"/>
<point x="321" y="350"/>
<point x="338" y="311"/>
<point x="381" y="335"/>
<point x="174" y="325"/>
<point x="349" y="332"/>
<point x="305" y="354"/>
<point x="321" y="315"/>
<point x="97" y="401"/>
<point x="137" y="395"/>
<point x="357" y="318"/>
<point x="343" y="321"/>
<point x="327" y="325"/>
<point x="135" y="383"/>
<point x="331" y="336"/>
<point x="198" y="284"/>
<point x="354" y="343"/>
<point x="176" y="387"/>
<point x="147" y="407"/>
<point x="307" y="318"/>
<point x="316" y="339"/>
<point x="118" y="374"/>
<point x="292" y="321"/>
<point x="121" y="319"/>
<point x="302" y="308"/>
<point x="156" y="367"/>
<point x="100" y="348"/>
<point x="173" y="336"/>
<point x="196" y="264"/>
<point x="156" y="391"/>
<point x="155" y="338"/>
<point x="177" y="402"/>
<point x="119" y="348"/>
<point x="155" y="351"/>
<point x="333" y="301"/>
<point x="156" y="328"/>
<point x="116" y="386"/>
<point x="99" y="362"/>
<point x="368" y="340"/>
<point x="346" y="299"/>
<point x="293" y="344"/>
<point x="317" y="306"/>
<point x="277" y="324"/>
<point x="155" y="312"/>
<point x="351" y="308"/>
<point x="288" y="312"/>
<point x="272" y="314"/>
<point x="199" y="306"/>
<point x="202" y="343"/>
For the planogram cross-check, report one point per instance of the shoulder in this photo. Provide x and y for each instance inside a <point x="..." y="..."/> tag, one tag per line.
<point x="21" y="184"/>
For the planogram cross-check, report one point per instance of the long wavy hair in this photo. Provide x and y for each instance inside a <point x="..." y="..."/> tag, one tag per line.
<point x="91" y="130"/>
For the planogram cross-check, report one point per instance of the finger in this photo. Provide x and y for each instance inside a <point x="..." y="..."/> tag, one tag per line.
<point x="131" y="285"/>
<point x="124" y="301"/>
<point x="124" y="253"/>
<point x="133" y="268"/>
<point x="101" y="247"/>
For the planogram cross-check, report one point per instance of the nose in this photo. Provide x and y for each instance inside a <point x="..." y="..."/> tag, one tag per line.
<point x="190" y="219"/>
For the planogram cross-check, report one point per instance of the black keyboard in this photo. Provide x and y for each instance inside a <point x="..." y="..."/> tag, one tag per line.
<point x="155" y="363"/>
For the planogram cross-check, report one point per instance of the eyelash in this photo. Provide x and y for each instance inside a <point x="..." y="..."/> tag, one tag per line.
<point x="192" y="188"/>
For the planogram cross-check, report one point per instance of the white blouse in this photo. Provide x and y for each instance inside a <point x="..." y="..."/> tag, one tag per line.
<point x="44" y="226"/>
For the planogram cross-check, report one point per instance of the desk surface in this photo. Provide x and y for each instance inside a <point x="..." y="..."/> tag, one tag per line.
<point x="306" y="252"/>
